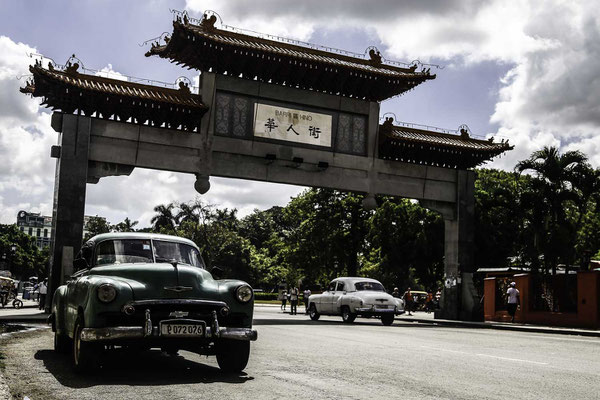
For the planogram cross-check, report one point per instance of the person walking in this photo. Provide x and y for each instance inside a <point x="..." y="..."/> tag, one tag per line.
<point x="408" y="301"/>
<point x="514" y="300"/>
<point x="429" y="302"/>
<point x="294" y="292"/>
<point x="396" y="293"/>
<point x="43" y="292"/>
<point x="306" y="295"/>
<point x="283" y="298"/>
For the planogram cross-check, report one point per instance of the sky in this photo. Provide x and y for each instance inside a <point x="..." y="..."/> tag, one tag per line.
<point x="526" y="71"/>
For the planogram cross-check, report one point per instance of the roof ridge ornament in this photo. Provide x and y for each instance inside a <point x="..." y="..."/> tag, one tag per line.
<point x="375" y="58"/>
<point x="208" y="23"/>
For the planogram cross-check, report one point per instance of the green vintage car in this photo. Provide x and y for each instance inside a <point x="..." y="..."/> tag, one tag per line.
<point x="142" y="291"/>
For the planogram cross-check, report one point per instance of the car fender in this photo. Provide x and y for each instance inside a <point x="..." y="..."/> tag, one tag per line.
<point x="58" y="309"/>
<point x="351" y="301"/>
<point x="316" y="300"/>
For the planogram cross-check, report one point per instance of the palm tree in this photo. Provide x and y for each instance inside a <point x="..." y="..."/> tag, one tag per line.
<point x="188" y="212"/>
<point x="555" y="183"/>
<point x="164" y="218"/>
<point x="126" y="226"/>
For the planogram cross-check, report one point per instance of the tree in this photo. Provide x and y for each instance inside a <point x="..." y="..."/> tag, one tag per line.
<point x="19" y="252"/>
<point x="126" y="226"/>
<point x="164" y="218"/>
<point x="554" y="185"/>
<point x="95" y="226"/>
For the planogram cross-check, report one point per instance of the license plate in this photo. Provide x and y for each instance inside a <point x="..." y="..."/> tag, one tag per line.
<point x="181" y="330"/>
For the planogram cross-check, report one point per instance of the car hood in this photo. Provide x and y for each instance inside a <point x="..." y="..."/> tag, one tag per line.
<point x="162" y="280"/>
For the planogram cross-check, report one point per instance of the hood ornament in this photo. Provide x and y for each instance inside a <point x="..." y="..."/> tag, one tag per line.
<point x="178" y="289"/>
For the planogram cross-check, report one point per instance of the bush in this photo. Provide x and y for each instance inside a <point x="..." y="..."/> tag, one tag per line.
<point x="265" y="296"/>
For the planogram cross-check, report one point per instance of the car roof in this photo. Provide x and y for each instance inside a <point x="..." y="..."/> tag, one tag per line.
<point x="354" y="279"/>
<point x="141" y="235"/>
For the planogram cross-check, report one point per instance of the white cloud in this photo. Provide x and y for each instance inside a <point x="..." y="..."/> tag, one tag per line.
<point x="109" y="72"/>
<point x="26" y="169"/>
<point x="550" y="96"/>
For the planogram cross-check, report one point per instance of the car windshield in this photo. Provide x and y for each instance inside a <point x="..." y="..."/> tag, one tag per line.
<point x="182" y="253"/>
<point x="123" y="251"/>
<point x="374" y="286"/>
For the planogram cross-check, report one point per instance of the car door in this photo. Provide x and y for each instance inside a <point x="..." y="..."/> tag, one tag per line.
<point x="339" y="292"/>
<point x="327" y="298"/>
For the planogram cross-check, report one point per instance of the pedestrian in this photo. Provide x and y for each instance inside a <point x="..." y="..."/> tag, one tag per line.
<point x="283" y="298"/>
<point x="306" y="295"/>
<point x="429" y="302"/>
<point x="294" y="292"/>
<point x="396" y="293"/>
<point x="438" y="297"/>
<point x="514" y="300"/>
<point x="408" y="301"/>
<point x="43" y="291"/>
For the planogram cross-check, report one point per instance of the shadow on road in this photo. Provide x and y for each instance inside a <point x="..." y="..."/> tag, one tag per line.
<point x="147" y="368"/>
<point x="365" y="322"/>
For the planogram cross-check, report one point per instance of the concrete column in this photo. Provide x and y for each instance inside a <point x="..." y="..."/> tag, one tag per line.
<point x="459" y="298"/>
<point x="69" y="196"/>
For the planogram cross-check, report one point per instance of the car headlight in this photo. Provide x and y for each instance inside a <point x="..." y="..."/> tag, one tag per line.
<point x="243" y="293"/>
<point x="106" y="293"/>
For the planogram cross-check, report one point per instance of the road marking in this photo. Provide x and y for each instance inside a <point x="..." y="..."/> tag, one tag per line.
<point x="512" y="359"/>
<point x="484" y="355"/>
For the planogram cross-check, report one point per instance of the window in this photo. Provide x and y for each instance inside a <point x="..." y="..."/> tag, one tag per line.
<point x="373" y="286"/>
<point x="30" y="231"/>
<point x="331" y="287"/>
<point x="45" y="233"/>
<point x="182" y="253"/>
<point x="124" y="251"/>
<point x="22" y="229"/>
<point x="340" y="287"/>
<point x="39" y="232"/>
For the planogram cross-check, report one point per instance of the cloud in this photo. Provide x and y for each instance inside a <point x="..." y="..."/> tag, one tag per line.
<point x="551" y="94"/>
<point x="26" y="169"/>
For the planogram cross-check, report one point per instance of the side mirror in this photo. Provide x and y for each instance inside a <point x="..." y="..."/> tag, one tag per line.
<point x="80" y="263"/>
<point x="217" y="272"/>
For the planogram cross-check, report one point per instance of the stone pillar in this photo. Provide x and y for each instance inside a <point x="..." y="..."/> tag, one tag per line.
<point x="459" y="298"/>
<point x="69" y="195"/>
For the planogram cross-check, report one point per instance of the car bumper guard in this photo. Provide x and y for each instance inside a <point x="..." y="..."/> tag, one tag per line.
<point x="150" y="331"/>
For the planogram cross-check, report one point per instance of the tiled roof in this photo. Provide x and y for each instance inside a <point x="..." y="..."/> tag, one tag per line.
<point x="423" y="146"/>
<point x="205" y="47"/>
<point x="70" y="90"/>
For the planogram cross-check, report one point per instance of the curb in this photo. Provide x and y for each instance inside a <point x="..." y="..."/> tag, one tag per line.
<point x="519" y="328"/>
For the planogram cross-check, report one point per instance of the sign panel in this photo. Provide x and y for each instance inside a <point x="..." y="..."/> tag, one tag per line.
<point x="274" y="122"/>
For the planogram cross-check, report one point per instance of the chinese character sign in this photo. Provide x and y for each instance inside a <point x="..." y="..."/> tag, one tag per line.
<point x="298" y="126"/>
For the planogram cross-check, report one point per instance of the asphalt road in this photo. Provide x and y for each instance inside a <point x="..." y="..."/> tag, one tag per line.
<point x="301" y="359"/>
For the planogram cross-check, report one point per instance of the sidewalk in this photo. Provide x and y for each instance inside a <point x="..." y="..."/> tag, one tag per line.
<point x="424" y="318"/>
<point x="28" y="313"/>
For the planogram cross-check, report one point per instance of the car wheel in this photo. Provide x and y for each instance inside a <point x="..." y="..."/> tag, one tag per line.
<point x="17" y="303"/>
<point x="62" y="343"/>
<point x="347" y="316"/>
<point x="232" y="355"/>
<point x="312" y="312"/>
<point x="387" y="319"/>
<point x="85" y="354"/>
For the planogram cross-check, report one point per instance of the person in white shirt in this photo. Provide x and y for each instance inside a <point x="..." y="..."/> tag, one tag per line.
<point x="43" y="292"/>
<point x="514" y="300"/>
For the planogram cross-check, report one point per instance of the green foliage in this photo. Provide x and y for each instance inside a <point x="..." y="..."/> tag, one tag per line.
<point x="537" y="220"/>
<point x="26" y="260"/>
<point x="95" y="226"/>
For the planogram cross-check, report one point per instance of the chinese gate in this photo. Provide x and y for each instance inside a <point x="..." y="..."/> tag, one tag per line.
<point x="267" y="111"/>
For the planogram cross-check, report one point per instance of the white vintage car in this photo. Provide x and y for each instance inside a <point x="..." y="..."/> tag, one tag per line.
<point x="352" y="297"/>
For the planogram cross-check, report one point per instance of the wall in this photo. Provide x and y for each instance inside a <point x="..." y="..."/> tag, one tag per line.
<point x="588" y="303"/>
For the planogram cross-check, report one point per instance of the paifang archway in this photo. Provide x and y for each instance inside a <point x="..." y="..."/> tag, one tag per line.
<point x="267" y="110"/>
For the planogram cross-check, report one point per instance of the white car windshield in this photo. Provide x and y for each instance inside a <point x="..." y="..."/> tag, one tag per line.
<point x="373" y="286"/>
<point x="123" y="251"/>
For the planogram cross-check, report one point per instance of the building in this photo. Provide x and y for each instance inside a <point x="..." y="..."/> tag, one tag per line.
<point x="40" y="227"/>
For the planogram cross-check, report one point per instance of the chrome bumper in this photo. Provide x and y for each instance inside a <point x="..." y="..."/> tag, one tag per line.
<point x="370" y="310"/>
<point x="134" y="332"/>
<point x="149" y="330"/>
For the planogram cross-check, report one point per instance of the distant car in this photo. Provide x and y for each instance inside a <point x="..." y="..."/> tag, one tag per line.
<point x="352" y="297"/>
<point x="141" y="290"/>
